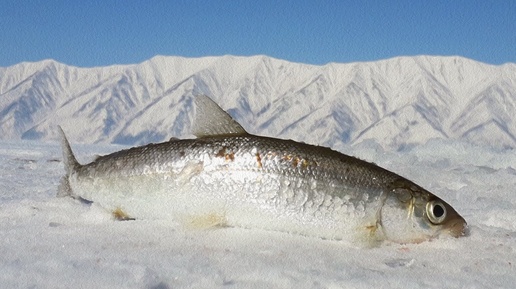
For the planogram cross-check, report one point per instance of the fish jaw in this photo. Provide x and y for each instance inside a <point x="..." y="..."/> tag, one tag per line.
<point x="457" y="228"/>
<point x="455" y="225"/>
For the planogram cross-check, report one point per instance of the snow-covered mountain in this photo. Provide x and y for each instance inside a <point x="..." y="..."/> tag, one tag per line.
<point x="398" y="102"/>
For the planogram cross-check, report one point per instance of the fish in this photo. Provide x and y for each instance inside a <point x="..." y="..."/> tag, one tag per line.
<point x="227" y="177"/>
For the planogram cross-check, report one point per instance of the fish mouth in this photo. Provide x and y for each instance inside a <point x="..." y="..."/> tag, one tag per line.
<point x="457" y="228"/>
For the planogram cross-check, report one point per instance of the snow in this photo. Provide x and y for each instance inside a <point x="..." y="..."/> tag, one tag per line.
<point x="50" y="242"/>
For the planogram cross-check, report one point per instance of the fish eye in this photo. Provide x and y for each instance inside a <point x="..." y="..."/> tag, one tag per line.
<point x="436" y="212"/>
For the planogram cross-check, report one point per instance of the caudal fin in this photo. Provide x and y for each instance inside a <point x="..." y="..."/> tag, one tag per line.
<point x="70" y="163"/>
<point x="69" y="159"/>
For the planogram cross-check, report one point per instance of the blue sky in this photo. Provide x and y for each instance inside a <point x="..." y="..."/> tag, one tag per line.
<point x="98" y="33"/>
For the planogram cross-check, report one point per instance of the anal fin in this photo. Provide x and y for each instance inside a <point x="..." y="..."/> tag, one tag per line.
<point x="206" y="221"/>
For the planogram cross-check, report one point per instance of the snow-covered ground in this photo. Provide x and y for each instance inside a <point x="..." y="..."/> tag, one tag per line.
<point x="49" y="242"/>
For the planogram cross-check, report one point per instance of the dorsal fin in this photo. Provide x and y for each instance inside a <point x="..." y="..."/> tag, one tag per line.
<point x="210" y="119"/>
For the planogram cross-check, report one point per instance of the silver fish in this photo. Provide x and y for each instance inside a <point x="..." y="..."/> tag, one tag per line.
<point x="228" y="177"/>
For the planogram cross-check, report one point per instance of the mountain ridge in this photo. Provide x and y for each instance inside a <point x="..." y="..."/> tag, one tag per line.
<point x="398" y="102"/>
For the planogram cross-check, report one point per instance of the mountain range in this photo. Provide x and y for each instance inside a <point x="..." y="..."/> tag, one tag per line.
<point x="398" y="102"/>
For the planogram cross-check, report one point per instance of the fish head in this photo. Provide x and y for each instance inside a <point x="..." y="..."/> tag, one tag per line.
<point x="410" y="214"/>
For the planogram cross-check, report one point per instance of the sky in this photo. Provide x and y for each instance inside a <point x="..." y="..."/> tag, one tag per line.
<point x="107" y="32"/>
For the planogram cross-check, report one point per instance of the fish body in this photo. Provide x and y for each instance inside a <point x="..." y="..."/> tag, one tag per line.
<point x="228" y="177"/>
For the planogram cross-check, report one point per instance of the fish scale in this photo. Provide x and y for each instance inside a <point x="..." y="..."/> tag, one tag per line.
<point x="283" y="157"/>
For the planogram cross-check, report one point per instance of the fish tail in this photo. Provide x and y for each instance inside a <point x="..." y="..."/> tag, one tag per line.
<point x="70" y="163"/>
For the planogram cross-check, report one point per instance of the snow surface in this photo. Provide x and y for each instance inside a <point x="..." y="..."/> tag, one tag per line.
<point x="49" y="242"/>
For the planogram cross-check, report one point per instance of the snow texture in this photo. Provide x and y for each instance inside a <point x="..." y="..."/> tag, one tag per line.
<point x="399" y="102"/>
<point x="49" y="242"/>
